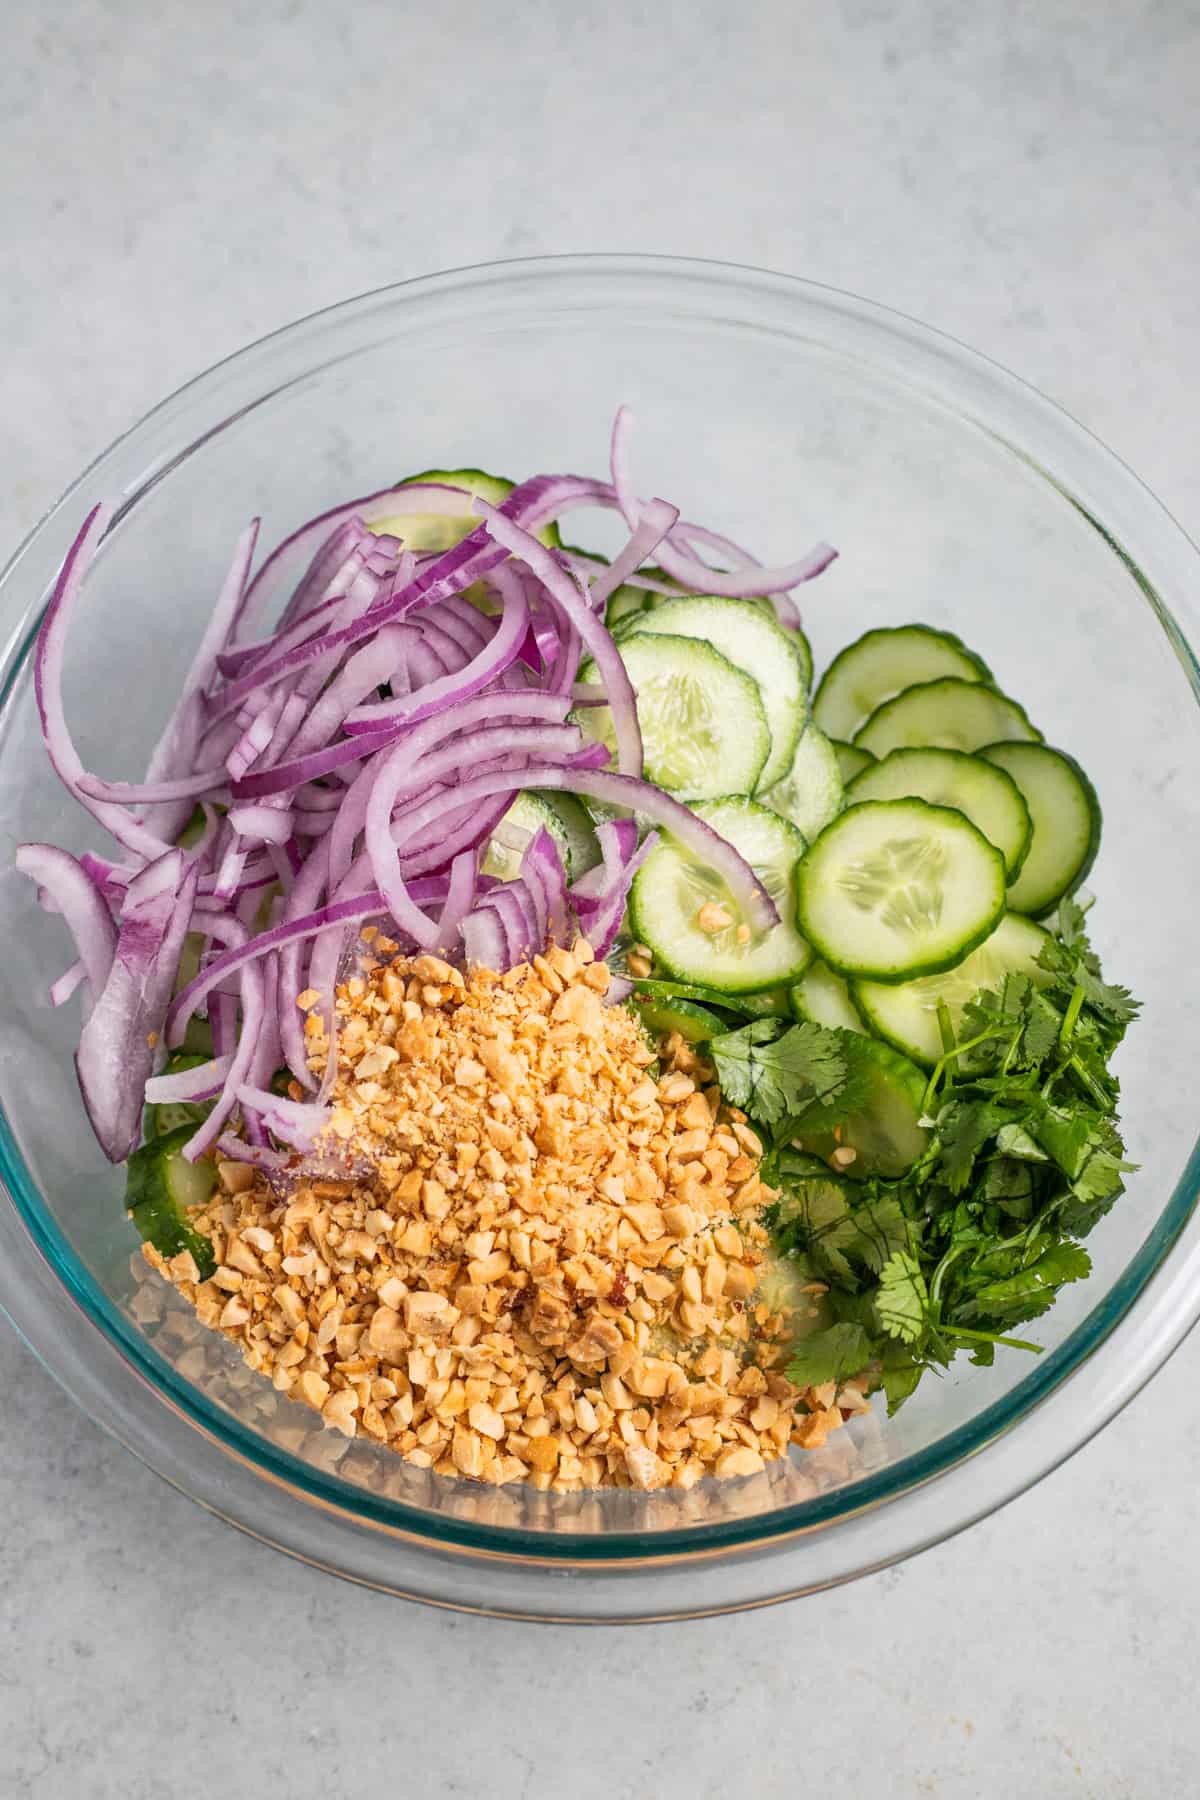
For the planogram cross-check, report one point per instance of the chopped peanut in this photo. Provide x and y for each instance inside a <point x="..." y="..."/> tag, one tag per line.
<point x="541" y="1264"/>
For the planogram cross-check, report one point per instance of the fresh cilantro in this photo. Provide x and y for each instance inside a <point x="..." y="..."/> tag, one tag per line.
<point x="977" y="1238"/>
<point x="903" y="1299"/>
<point x="772" y="1070"/>
<point x="834" y="1354"/>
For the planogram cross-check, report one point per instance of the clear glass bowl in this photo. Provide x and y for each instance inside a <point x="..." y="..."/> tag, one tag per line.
<point x="779" y="412"/>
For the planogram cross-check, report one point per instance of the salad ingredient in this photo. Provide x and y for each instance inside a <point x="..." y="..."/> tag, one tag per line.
<point x="163" y="1190"/>
<point x="750" y="638"/>
<point x="528" y="814"/>
<point x="909" y="1014"/>
<point x="825" y="998"/>
<point x="880" y="664"/>
<point x="811" y="793"/>
<point x="1065" y="823"/>
<point x="703" y="726"/>
<point x="897" y="888"/>
<point x="543" y="1264"/>
<point x="685" y="913"/>
<point x="977" y="1238"/>
<point x="952" y="778"/>
<point x="951" y="714"/>
<point x="852" y="759"/>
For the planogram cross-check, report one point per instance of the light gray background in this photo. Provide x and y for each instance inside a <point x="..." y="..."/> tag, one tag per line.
<point x="178" y="177"/>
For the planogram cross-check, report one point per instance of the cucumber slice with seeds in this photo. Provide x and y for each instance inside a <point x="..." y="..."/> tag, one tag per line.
<point x="583" y="851"/>
<point x="852" y="759"/>
<point x="898" y="888"/>
<point x="825" y="998"/>
<point x="704" y="732"/>
<point x="949" y="714"/>
<point x="162" y="1187"/>
<point x="810" y="794"/>
<point x="527" y="815"/>
<point x="1066" y="823"/>
<point x="692" y="1022"/>
<point x="878" y="1114"/>
<point x="883" y="662"/>
<point x="753" y="641"/>
<point x="672" y="889"/>
<point x="772" y="1003"/>
<point x="438" y="531"/>
<point x="907" y="1014"/>
<point x="952" y="778"/>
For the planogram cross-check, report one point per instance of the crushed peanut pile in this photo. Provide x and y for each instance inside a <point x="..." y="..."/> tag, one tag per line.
<point x="547" y="1262"/>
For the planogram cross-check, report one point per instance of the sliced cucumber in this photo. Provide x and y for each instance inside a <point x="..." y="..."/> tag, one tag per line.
<point x="952" y="778"/>
<point x="704" y="731"/>
<point x="672" y="889"/>
<point x="161" y="1188"/>
<point x="527" y="815"/>
<point x="949" y="714"/>
<point x="583" y="851"/>
<point x="883" y="662"/>
<point x="773" y="1003"/>
<point x="693" y="1023"/>
<point x="878" y="1115"/>
<point x="824" y="997"/>
<point x="1066" y="823"/>
<point x="804" y="651"/>
<point x="441" y="531"/>
<point x="897" y="888"/>
<point x="810" y="794"/>
<point x="754" y="642"/>
<point x="852" y="759"/>
<point x="907" y="1014"/>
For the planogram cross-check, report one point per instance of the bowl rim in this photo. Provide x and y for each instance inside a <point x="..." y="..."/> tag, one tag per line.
<point x="1132" y="1293"/>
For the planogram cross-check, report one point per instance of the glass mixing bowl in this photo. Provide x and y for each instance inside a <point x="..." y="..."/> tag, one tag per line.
<point x="778" y="412"/>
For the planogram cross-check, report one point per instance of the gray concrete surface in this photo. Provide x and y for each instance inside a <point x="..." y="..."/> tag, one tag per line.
<point x="177" y="179"/>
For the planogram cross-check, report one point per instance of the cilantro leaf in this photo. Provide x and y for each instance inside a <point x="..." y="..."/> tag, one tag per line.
<point x="831" y="1355"/>
<point x="773" y="1072"/>
<point x="980" y="1233"/>
<point x="903" y="1298"/>
<point x="1053" y="1269"/>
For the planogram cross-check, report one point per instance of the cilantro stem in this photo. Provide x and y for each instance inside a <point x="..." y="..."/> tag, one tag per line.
<point x="1071" y="1016"/>
<point x="939" y="1068"/>
<point x="989" y="1337"/>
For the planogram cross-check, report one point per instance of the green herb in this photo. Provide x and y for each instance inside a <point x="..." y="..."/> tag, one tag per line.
<point x="979" y="1236"/>
<point x="772" y="1070"/>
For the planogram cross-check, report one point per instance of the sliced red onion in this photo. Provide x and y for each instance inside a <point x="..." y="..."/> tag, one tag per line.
<point x="81" y="904"/>
<point x="118" y="1044"/>
<point x="47" y="678"/>
<point x="265" y="822"/>
<point x="604" y="923"/>
<point x="543" y="874"/>
<point x="462" y="684"/>
<point x="566" y="592"/>
<point x="298" y="1123"/>
<point x="738" y="584"/>
<point x="484" y="941"/>
<point x="315" y="535"/>
<point x="236" y="1149"/>
<point x="70" y="979"/>
<point x="199" y="1083"/>
<point x="656" y="521"/>
<point x="637" y="796"/>
<point x="141" y="793"/>
<point x="460" y="897"/>
<point x="253" y="1005"/>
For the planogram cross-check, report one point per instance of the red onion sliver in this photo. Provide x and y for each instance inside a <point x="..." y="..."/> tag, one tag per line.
<point x="566" y="591"/>
<point x="81" y="904"/>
